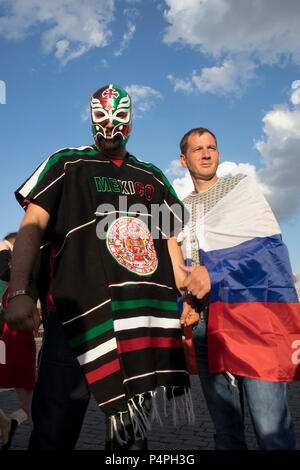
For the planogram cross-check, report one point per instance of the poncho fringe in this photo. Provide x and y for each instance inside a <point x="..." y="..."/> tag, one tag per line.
<point x="182" y="411"/>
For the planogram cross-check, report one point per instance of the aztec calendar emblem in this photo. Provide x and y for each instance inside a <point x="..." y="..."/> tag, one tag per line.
<point x="130" y="242"/>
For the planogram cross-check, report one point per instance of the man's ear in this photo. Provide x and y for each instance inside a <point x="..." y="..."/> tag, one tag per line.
<point x="183" y="160"/>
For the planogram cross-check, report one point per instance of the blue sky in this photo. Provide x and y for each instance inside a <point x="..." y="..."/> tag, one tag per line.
<point x="229" y="65"/>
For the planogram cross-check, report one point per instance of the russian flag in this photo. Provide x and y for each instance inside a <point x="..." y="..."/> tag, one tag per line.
<point x="254" y="312"/>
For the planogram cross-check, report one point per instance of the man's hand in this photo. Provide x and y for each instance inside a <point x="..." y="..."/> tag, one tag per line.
<point x="22" y="314"/>
<point x="198" y="281"/>
<point x="189" y="315"/>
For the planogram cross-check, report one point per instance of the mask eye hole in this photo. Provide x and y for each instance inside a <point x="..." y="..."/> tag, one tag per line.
<point x="99" y="115"/>
<point x="122" y="115"/>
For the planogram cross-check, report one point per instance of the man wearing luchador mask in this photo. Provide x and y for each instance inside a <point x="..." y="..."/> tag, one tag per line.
<point x="112" y="325"/>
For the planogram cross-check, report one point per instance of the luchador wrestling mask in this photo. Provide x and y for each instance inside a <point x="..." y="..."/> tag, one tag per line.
<point x="111" y="104"/>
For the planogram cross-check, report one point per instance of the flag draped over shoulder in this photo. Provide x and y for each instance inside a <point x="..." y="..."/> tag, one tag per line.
<point x="254" y="312"/>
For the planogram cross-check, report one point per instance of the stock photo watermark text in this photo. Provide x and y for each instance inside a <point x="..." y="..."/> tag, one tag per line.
<point x="2" y="352"/>
<point x="2" y="92"/>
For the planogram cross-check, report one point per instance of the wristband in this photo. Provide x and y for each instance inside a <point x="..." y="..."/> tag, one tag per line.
<point x="16" y="293"/>
<point x="187" y="295"/>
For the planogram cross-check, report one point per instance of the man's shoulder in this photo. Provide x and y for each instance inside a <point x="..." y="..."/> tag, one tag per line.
<point x="146" y="166"/>
<point x="74" y="152"/>
<point x="156" y="173"/>
<point x="231" y="181"/>
<point x="222" y="187"/>
<point x="142" y="163"/>
<point x="65" y="155"/>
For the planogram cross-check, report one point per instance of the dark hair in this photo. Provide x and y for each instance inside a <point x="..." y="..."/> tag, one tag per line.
<point x="197" y="130"/>
<point x="11" y="236"/>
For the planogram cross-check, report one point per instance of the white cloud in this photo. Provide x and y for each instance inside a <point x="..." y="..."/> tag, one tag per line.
<point x="280" y="151"/>
<point x="127" y="37"/>
<point x="234" y="169"/>
<point x="295" y="96"/>
<point x="132" y="14"/>
<point x="143" y="97"/>
<point x="269" y="27"/>
<point x="230" y="76"/>
<point x="175" y="169"/>
<point x="180" y="84"/>
<point x="183" y="186"/>
<point x="239" y="36"/>
<point x="70" y="27"/>
<point x="104" y="63"/>
<point x="86" y="113"/>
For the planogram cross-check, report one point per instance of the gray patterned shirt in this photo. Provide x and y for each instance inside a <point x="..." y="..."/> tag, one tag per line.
<point x="199" y="204"/>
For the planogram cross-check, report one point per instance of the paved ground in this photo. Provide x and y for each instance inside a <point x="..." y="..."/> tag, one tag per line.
<point x="167" y="438"/>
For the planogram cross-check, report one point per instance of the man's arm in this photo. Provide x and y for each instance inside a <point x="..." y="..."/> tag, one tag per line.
<point x="177" y="261"/>
<point x="198" y="281"/>
<point x="189" y="315"/>
<point x="21" y="313"/>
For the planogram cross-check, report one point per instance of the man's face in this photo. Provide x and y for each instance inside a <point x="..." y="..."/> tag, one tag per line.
<point x="111" y="115"/>
<point x="201" y="156"/>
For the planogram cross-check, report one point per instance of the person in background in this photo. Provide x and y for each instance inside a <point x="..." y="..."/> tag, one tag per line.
<point x="19" y="368"/>
<point x="296" y="286"/>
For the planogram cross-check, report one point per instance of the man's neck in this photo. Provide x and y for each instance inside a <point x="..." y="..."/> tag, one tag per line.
<point x="202" y="185"/>
<point x="116" y="154"/>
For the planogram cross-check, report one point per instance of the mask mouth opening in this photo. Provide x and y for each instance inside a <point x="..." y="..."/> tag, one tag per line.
<point x="109" y="144"/>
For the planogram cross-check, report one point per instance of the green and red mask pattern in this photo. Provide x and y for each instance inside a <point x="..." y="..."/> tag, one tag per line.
<point x="111" y="104"/>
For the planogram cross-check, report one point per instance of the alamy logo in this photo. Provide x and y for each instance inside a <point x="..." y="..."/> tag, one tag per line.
<point x="2" y="353"/>
<point x="2" y="92"/>
<point x="296" y="354"/>
<point x="161" y="219"/>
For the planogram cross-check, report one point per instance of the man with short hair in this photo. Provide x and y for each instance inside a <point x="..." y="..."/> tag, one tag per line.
<point x="112" y="325"/>
<point x="240" y="278"/>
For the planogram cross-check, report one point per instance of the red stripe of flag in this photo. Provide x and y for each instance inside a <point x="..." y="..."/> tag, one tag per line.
<point x="255" y="339"/>
<point x="103" y="371"/>
<point x="148" y="342"/>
